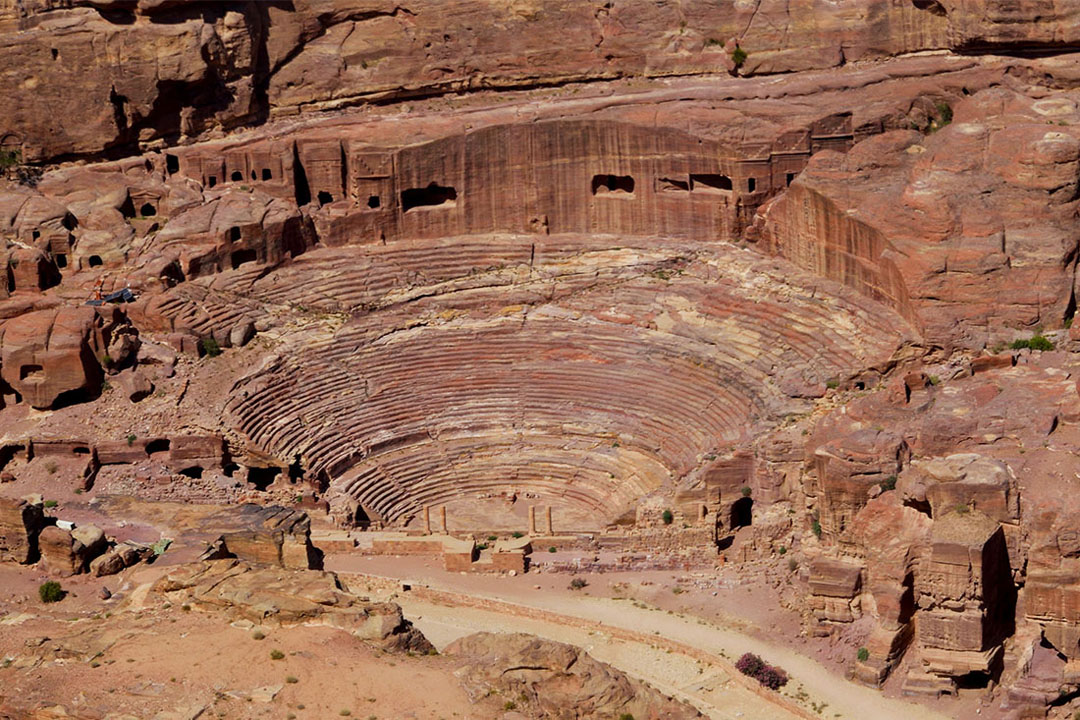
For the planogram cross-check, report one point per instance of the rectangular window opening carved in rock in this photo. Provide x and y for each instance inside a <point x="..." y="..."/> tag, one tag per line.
<point x="612" y="185"/>
<point x="434" y="195"/>
<point x="672" y="185"/>
<point x="710" y="183"/>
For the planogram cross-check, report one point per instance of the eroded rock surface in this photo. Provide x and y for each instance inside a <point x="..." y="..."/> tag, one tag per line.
<point x="289" y="597"/>
<point x="556" y="680"/>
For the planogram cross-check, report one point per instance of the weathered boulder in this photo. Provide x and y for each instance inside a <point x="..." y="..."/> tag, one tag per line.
<point x="68" y="553"/>
<point x="964" y="480"/>
<point x="50" y="355"/>
<point x="289" y="597"/>
<point x="134" y="384"/>
<point x="833" y="587"/>
<point x="21" y="522"/>
<point x="264" y="535"/>
<point x="556" y="680"/>
<point x="123" y="556"/>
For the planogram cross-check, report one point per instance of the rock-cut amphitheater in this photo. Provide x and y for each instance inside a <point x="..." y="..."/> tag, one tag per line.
<point x="363" y="325"/>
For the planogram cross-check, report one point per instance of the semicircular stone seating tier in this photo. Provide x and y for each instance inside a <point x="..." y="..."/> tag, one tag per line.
<point x="592" y="398"/>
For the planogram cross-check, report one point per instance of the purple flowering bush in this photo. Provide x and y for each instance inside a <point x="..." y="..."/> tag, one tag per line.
<point x="771" y="677"/>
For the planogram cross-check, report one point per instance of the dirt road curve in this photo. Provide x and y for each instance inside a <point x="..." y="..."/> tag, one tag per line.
<point x="690" y="658"/>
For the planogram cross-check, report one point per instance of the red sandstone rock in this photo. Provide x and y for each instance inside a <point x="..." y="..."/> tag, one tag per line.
<point x="20" y="524"/>
<point x="848" y="468"/>
<point x="558" y="680"/>
<point x="968" y="231"/>
<point x="67" y="553"/>
<point x="290" y="597"/>
<point x="272" y="535"/>
<point x="48" y="355"/>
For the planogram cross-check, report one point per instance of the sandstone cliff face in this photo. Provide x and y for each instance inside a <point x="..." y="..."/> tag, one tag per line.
<point x="50" y="355"/>
<point x="148" y="71"/>
<point x="928" y="223"/>
<point x="1030" y="24"/>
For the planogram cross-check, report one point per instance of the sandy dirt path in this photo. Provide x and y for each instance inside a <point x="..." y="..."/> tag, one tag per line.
<point x="820" y="692"/>
<point x="709" y="688"/>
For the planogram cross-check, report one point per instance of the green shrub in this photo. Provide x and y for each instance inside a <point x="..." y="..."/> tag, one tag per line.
<point x="888" y="483"/>
<point x="551" y="549"/>
<point x="578" y="583"/>
<point x="944" y="114"/>
<point x="667" y="517"/>
<point x="210" y="347"/>
<point x="745" y="490"/>
<point x="815" y="527"/>
<point x="50" y="592"/>
<point x="792" y="564"/>
<point x="518" y="534"/>
<point x="1036" y="342"/>
<point x="492" y="538"/>
<point x="832" y="384"/>
<point x="51" y="467"/>
<point x="626" y="716"/>
<point x="738" y="56"/>
<point x="1040" y="342"/>
<point x="50" y="503"/>
<point x="131" y="439"/>
<point x="276" y="654"/>
<point x="782" y="550"/>
<point x="509" y="705"/>
<point x="10" y="158"/>
<point x="292" y="679"/>
<point x="258" y="635"/>
<point x="863" y="654"/>
<point x="962" y="509"/>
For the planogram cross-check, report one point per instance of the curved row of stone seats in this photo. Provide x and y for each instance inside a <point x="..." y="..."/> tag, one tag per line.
<point x="412" y="383"/>
<point x="669" y="351"/>
<point x="196" y="308"/>
<point x="589" y="455"/>
<point x="603" y="479"/>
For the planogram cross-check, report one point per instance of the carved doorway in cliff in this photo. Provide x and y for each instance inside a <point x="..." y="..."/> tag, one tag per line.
<point x="742" y="513"/>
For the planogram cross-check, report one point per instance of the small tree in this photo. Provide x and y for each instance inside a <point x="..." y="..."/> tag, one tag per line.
<point x="210" y="347"/>
<point x="738" y="57"/>
<point x="667" y="517"/>
<point x="51" y="592"/>
<point x="863" y="654"/>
